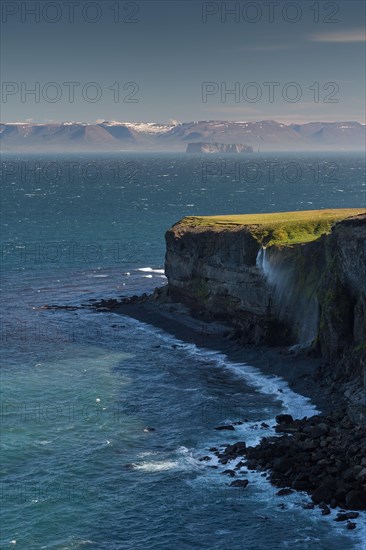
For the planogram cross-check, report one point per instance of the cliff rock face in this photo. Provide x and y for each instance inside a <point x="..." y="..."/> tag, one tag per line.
<point x="310" y="294"/>
<point x="218" y="148"/>
<point x="343" y="288"/>
<point x="214" y="272"/>
<point x="342" y="323"/>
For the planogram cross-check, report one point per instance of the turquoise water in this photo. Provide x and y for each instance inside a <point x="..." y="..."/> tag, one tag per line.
<point x="78" y="388"/>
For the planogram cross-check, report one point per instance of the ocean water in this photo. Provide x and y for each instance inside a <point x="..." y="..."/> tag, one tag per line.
<point x="79" y="466"/>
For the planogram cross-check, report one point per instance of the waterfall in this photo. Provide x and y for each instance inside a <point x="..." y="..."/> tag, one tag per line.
<point x="261" y="257"/>
<point x="293" y="302"/>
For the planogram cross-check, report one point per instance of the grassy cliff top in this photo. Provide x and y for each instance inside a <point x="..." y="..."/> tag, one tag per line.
<point x="278" y="228"/>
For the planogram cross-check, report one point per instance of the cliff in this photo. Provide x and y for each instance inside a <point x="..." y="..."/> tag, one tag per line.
<point x="218" y="148"/>
<point x="287" y="278"/>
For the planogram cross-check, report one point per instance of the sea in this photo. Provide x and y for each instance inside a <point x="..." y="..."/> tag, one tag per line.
<point x="104" y="419"/>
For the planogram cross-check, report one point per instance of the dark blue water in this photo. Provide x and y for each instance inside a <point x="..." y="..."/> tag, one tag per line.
<point x="78" y="388"/>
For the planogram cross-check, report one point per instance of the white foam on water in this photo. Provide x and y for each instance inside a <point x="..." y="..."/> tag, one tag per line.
<point x="185" y="461"/>
<point x="260" y="490"/>
<point x="150" y="270"/>
<point x="295" y="404"/>
<point x="259" y="487"/>
<point x="156" y="466"/>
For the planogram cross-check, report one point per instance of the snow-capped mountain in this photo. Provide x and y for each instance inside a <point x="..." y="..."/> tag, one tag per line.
<point x="143" y="127"/>
<point x="266" y="135"/>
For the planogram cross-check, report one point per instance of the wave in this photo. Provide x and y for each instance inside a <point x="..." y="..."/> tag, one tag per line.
<point x="211" y="483"/>
<point x="150" y="270"/>
<point x="293" y="403"/>
<point x="156" y="466"/>
<point x="184" y="461"/>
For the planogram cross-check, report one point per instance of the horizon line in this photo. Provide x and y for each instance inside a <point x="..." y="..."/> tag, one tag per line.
<point x="170" y="123"/>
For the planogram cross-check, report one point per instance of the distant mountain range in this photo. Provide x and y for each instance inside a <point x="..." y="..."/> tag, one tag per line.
<point x="267" y="135"/>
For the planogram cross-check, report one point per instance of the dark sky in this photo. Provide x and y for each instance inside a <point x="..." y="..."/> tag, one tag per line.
<point x="159" y="54"/>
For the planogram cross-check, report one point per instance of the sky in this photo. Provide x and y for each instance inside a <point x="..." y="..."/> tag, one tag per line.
<point x="162" y="61"/>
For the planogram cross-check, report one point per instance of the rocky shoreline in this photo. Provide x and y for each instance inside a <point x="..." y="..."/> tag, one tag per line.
<point x="323" y="456"/>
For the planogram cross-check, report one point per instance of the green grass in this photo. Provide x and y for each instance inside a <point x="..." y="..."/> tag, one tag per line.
<point x="279" y="228"/>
